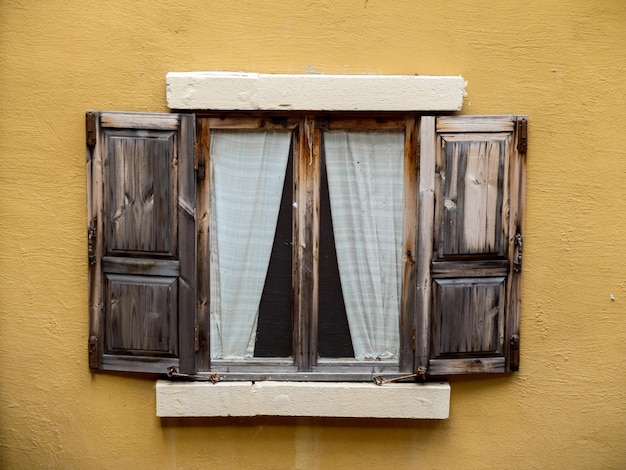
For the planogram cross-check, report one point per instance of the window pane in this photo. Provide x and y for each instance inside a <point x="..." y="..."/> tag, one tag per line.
<point x="247" y="179"/>
<point x="274" y="329"/>
<point x="333" y="331"/>
<point x="365" y="179"/>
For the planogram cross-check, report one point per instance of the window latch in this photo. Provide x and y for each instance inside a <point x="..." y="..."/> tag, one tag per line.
<point x="419" y="374"/>
<point x="172" y="373"/>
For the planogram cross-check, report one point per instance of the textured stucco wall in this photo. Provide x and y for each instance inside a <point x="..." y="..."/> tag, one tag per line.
<point x="562" y="63"/>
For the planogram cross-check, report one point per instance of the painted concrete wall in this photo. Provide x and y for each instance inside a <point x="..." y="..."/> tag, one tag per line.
<point x="562" y="63"/>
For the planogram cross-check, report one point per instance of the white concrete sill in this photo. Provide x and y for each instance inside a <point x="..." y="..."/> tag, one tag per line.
<point x="303" y="399"/>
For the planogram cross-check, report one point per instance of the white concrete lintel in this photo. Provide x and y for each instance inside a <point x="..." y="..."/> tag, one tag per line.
<point x="240" y="91"/>
<point x="319" y="399"/>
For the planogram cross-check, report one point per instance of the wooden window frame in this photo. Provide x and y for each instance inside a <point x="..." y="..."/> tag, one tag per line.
<point x="306" y="141"/>
<point x="424" y="174"/>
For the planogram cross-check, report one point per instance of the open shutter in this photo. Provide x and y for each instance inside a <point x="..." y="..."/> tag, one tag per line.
<point x="142" y="250"/>
<point x="471" y="226"/>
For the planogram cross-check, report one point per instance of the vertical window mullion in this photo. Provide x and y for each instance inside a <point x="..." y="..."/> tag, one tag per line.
<point x="409" y="246"/>
<point x="306" y="243"/>
<point x="202" y="163"/>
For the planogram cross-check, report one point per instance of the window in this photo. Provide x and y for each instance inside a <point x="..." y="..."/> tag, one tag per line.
<point x="305" y="246"/>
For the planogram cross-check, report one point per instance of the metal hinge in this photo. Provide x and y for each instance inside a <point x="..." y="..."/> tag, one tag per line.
<point x="201" y="172"/>
<point x="196" y="338"/>
<point x="522" y="135"/>
<point x="91" y="242"/>
<point x="517" y="261"/>
<point x="514" y="352"/>
<point x="198" y="163"/>
<point x="90" y="124"/>
<point x="94" y="354"/>
<point x="199" y="343"/>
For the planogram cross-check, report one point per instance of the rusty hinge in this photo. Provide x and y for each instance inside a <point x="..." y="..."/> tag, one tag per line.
<point x="91" y="242"/>
<point x="90" y="124"/>
<point x="514" y="362"/>
<point x="517" y="260"/>
<point x="522" y="135"/>
<point x="413" y="337"/>
<point x="172" y="373"/>
<point x="420" y="374"/>
<point x="94" y="354"/>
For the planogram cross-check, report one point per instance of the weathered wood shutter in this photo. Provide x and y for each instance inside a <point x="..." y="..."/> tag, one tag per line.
<point x="142" y="248"/>
<point x="470" y="243"/>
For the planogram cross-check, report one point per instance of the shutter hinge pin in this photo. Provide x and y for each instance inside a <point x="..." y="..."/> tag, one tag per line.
<point x="90" y="125"/>
<point x="91" y="243"/>
<point x="514" y="352"/>
<point x="517" y="261"/>
<point x="522" y="135"/>
<point x="94" y="354"/>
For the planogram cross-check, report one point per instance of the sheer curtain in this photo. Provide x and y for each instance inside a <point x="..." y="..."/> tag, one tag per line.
<point x="247" y="174"/>
<point x="365" y="176"/>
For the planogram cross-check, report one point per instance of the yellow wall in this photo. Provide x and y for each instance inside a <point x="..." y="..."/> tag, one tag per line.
<point x="562" y="63"/>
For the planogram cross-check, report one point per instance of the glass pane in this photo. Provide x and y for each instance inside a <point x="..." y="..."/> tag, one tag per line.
<point x="274" y="328"/>
<point x="247" y="178"/>
<point x="333" y="331"/>
<point x="365" y="180"/>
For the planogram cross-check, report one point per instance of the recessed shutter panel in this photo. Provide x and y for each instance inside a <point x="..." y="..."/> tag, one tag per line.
<point x="469" y="289"/>
<point x="142" y="241"/>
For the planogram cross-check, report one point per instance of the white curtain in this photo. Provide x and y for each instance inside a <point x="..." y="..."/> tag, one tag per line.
<point x="365" y="176"/>
<point x="247" y="176"/>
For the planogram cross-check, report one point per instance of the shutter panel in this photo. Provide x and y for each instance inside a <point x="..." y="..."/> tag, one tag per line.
<point x="471" y="222"/>
<point x="141" y="203"/>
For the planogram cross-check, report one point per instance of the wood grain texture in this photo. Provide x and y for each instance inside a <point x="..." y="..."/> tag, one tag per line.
<point x="469" y="123"/>
<point x="141" y="315"/>
<point x="468" y="316"/>
<point x="140" y="192"/>
<point x="138" y="120"/>
<point x="186" y="217"/>
<point x="248" y="122"/>
<point x="517" y="178"/>
<point x="142" y="204"/>
<point x="470" y="194"/>
<point x="473" y="309"/>
<point x="425" y="219"/>
<point x="407" y="322"/>
<point x="306" y="243"/>
<point x="202" y="159"/>
<point x="95" y="233"/>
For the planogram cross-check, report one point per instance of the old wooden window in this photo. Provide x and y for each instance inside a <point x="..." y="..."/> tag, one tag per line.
<point x="305" y="246"/>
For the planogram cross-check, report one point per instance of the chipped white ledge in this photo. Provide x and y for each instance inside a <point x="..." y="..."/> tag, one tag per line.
<point x="318" y="399"/>
<point x="276" y="92"/>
